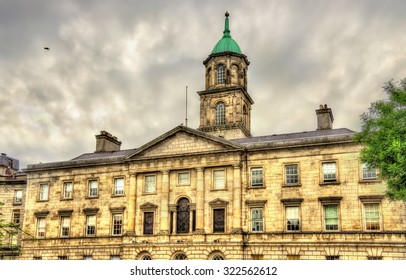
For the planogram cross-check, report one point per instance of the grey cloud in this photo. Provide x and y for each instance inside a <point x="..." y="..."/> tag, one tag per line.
<point x="122" y="66"/>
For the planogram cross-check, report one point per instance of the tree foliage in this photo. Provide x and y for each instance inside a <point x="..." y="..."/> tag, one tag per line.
<point x="384" y="137"/>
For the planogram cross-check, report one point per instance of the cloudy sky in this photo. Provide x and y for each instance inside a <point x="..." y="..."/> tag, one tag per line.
<point x="122" y="66"/>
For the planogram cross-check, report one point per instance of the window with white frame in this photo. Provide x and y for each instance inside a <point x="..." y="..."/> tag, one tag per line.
<point x="292" y="218"/>
<point x="257" y="177"/>
<point x="43" y="192"/>
<point x="368" y="173"/>
<point x="220" y="117"/>
<point x="41" y="223"/>
<point x="330" y="216"/>
<point x="67" y="190"/>
<point x="257" y="220"/>
<point x="118" y="186"/>
<point x="18" y="196"/>
<point x="221" y="74"/>
<point x="219" y="179"/>
<point x="184" y="178"/>
<point x="90" y="225"/>
<point x="93" y="186"/>
<point x="65" y="226"/>
<point x="117" y="224"/>
<point x="150" y="183"/>
<point x="291" y="174"/>
<point x="372" y="216"/>
<point x="329" y="170"/>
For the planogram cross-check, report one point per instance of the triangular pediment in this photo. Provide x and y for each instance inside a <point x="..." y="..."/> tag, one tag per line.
<point x="183" y="140"/>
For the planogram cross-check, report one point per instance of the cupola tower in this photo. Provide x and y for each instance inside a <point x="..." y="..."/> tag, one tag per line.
<point x="225" y="105"/>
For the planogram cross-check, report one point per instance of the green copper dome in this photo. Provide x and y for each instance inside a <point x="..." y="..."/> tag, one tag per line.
<point x="226" y="44"/>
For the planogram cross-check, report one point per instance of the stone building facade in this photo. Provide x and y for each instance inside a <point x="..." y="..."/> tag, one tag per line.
<point x="216" y="192"/>
<point x="12" y="197"/>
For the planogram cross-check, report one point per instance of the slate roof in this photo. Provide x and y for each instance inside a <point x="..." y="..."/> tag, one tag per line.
<point x="330" y="133"/>
<point x="105" y="155"/>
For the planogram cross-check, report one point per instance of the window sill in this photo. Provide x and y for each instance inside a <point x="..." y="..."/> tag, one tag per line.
<point x="372" y="181"/>
<point x="329" y="183"/>
<point x="17" y="203"/>
<point x="66" y="199"/>
<point x="92" y="197"/>
<point x="216" y="190"/>
<point x="291" y="185"/>
<point x="42" y="200"/>
<point x="117" y="195"/>
<point x="256" y="187"/>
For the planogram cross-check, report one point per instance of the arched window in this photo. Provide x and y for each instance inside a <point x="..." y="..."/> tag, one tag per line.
<point x="182" y="216"/>
<point x="180" y="256"/>
<point x="221" y="74"/>
<point x="220" y="113"/>
<point x="216" y="256"/>
<point x="144" y="256"/>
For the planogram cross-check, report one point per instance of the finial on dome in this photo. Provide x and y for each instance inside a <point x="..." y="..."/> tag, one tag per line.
<point x="226" y="31"/>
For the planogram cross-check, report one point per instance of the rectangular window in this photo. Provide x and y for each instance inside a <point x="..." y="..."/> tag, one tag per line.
<point x="68" y="190"/>
<point x="16" y="217"/>
<point x="331" y="217"/>
<point x="332" y="258"/>
<point x="115" y="258"/>
<point x="118" y="186"/>
<point x="62" y="258"/>
<point x="183" y="178"/>
<point x="368" y="173"/>
<point x="87" y="258"/>
<point x="257" y="177"/>
<point x="292" y="218"/>
<point x="218" y="220"/>
<point x="18" y="196"/>
<point x="37" y="258"/>
<point x="291" y="174"/>
<point x="90" y="225"/>
<point x="43" y="191"/>
<point x="372" y="219"/>
<point x="150" y="183"/>
<point x="329" y="172"/>
<point x="293" y="257"/>
<point x="117" y="224"/>
<point x="219" y="178"/>
<point x="257" y="220"/>
<point x="41" y="227"/>
<point x="65" y="226"/>
<point x="148" y="222"/>
<point x="93" y="188"/>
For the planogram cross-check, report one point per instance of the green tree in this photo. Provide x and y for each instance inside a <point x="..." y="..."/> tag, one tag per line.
<point x="384" y="137"/>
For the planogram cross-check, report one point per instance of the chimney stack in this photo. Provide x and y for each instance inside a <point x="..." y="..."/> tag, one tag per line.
<point x="324" y="118"/>
<point x="105" y="142"/>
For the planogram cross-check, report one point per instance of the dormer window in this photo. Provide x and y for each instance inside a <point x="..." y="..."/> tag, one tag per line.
<point x="221" y="74"/>
<point x="220" y="113"/>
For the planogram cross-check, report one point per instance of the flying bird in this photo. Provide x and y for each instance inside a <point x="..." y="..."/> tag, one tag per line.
<point x="46" y="48"/>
